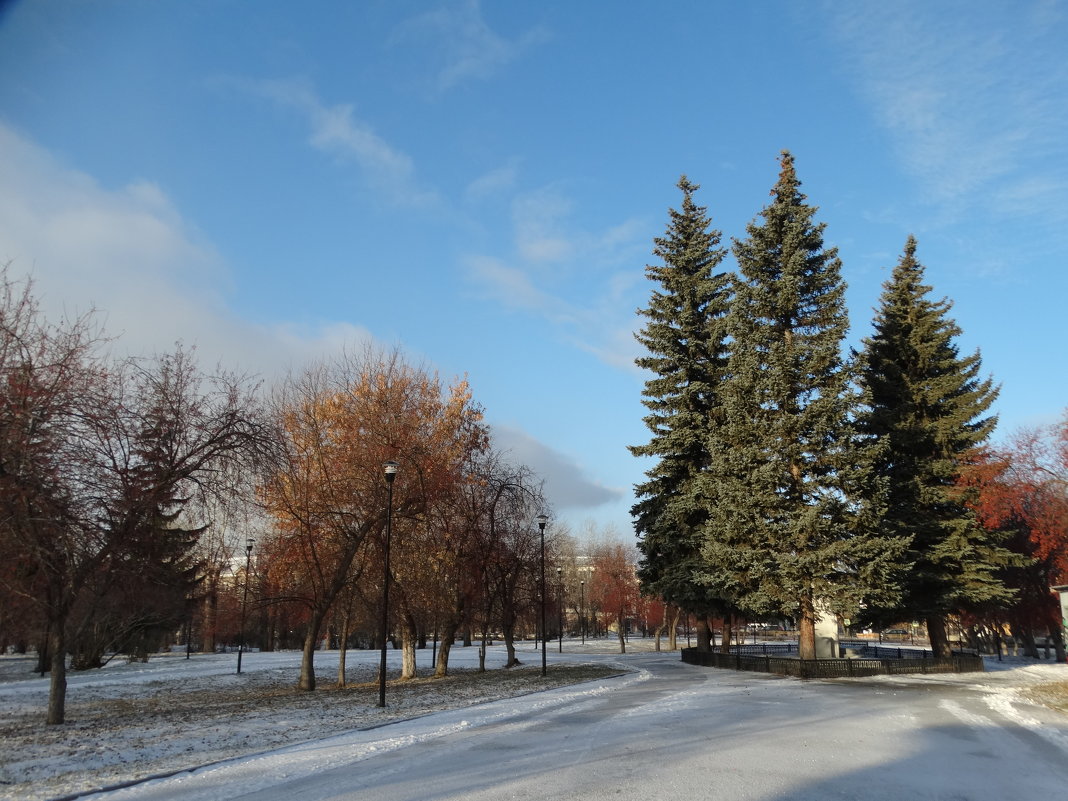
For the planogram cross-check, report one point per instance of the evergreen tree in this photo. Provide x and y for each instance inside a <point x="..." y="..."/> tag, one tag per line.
<point x="785" y="538"/>
<point x="925" y="407"/>
<point x="142" y="596"/>
<point x="685" y="335"/>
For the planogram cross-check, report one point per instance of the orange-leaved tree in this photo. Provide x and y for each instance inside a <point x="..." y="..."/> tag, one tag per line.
<point x="340" y="422"/>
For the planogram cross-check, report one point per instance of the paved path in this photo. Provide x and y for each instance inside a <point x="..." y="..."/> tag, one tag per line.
<point x="678" y="732"/>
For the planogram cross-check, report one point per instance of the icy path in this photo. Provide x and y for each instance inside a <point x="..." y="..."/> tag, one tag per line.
<point x="672" y="731"/>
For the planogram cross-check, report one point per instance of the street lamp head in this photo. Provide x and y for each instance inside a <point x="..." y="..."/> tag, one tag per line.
<point x="542" y="520"/>
<point x="248" y="546"/>
<point x="390" y="469"/>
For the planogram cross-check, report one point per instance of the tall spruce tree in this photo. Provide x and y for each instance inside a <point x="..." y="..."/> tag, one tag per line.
<point x="685" y="335"/>
<point x="784" y="537"/>
<point x="926" y="413"/>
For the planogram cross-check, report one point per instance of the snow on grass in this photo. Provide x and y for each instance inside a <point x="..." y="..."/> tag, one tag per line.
<point x="130" y="721"/>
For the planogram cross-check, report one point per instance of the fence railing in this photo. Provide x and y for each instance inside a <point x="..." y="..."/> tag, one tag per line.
<point x="768" y="662"/>
<point x="763" y="649"/>
<point x="865" y="648"/>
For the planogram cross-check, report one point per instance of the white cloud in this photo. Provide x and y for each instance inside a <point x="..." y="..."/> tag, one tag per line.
<point x="463" y="45"/>
<point x="565" y="481"/>
<point x="128" y="253"/>
<point x="336" y="130"/>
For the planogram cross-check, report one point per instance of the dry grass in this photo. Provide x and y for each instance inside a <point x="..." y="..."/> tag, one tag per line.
<point x="1054" y="695"/>
<point x="119" y="732"/>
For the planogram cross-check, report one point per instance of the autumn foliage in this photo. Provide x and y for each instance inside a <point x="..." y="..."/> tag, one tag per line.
<point x="1023" y="492"/>
<point x="339" y="423"/>
<point x="1026" y="484"/>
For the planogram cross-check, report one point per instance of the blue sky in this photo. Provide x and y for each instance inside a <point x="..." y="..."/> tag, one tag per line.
<point x="480" y="183"/>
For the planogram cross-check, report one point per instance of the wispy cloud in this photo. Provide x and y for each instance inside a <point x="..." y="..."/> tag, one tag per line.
<point x="584" y="284"/>
<point x="973" y="98"/>
<point x="603" y="327"/>
<point x="494" y="182"/>
<point x="463" y="45"/>
<point x="545" y="232"/>
<point x="336" y="130"/>
<point x="539" y="219"/>
<point x="513" y="287"/>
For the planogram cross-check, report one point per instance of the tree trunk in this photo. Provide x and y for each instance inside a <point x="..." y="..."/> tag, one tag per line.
<point x="409" y="640"/>
<point x="1056" y="634"/>
<point x="482" y="649"/>
<point x="343" y="646"/>
<point x="508" y="631"/>
<point x="307" y="659"/>
<point x="936" y="633"/>
<point x="806" y="629"/>
<point x="211" y="616"/>
<point x="441" y="669"/>
<point x="449" y="629"/>
<point x="704" y="634"/>
<point x="266" y="630"/>
<point x="57" y="686"/>
<point x="44" y="657"/>
<point x="1030" y="647"/>
<point x="728" y="634"/>
<point x="619" y="631"/>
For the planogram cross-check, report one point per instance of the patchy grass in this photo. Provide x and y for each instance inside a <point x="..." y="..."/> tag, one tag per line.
<point x="1053" y="695"/>
<point x="123" y="731"/>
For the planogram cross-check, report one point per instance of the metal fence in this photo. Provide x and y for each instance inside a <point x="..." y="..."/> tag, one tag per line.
<point x="767" y="662"/>
<point x="864" y="648"/>
<point x="764" y="649"/>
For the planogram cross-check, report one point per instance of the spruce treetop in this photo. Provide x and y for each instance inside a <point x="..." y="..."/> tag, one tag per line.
<point x="914" y="370"/>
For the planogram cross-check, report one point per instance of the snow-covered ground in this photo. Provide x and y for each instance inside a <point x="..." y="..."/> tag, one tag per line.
<point x="128" y="721"/>
<point x="255" y="732"/>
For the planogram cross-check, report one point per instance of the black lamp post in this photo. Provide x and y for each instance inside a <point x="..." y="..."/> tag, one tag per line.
<point x="390" y="469"/>
<point x="582" y="609"/>
<point x="244" y="601"/>
<point x="560" y="608"/>
<point x="542" y="520"/>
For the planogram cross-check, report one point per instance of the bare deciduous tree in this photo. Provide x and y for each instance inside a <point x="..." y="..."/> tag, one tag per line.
<point x="98" y="461"/>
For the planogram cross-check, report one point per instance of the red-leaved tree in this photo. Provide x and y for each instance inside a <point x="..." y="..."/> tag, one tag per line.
<point x="1023" y="490"/>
